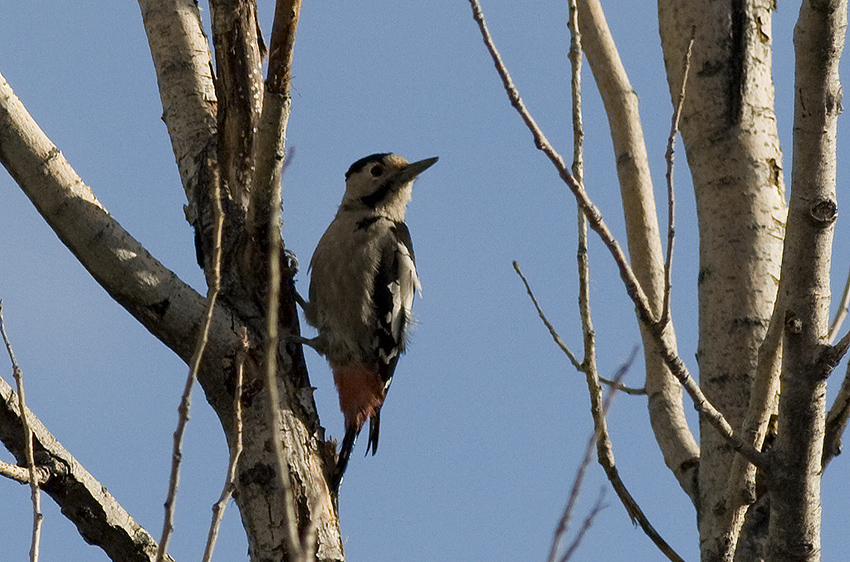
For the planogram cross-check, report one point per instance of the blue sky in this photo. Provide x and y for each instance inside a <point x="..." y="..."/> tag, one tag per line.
<point x="486" y="422"/>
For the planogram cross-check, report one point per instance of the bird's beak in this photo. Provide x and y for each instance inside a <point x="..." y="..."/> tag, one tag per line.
<point x="415" y="168"/>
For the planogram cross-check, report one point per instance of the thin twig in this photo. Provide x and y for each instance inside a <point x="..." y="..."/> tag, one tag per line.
<point x="267" y="201"/>
<point x="186" y="399"/>
<point x="541" y="142"/>
<point x="598" y="406"/>
<point x="841" y="314"/>
<point x="560" y="342"/>
<point x="633" y="289"/>
<point x="836" y="421"/>
<point x="235" y="452"/>
<point x="605" y="457"/>
<point x="293" y="544"/>
<point x="671" y="194"/>
<point x="623" y="388"/>
<point x="555" y="336"/>
<point x="15" y="472"/>
<point x="585" y="526"/>
<point x="589" y="336"/>
<point x="21" y="474"/>
<point x="575" y="57"/>
<point x="37" y="517"/>
<point x="564" y="523"/>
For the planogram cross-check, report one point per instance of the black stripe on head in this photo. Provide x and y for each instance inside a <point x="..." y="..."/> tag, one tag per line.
<point x="360" y="164"/>
<point x="378" y="195"/>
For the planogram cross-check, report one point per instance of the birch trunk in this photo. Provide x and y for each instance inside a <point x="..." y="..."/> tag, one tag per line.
<point x="729" y="131"/>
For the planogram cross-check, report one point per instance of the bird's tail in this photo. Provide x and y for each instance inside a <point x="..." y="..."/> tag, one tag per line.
<point x="374" y="428"/>
<point x="344" y="454"/>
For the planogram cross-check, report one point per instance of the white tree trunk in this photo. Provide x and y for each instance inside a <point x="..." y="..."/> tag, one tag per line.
<point x="729" y="131"/>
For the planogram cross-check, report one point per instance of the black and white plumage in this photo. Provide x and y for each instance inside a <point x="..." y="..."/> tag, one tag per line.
<point x="362" y="287"/>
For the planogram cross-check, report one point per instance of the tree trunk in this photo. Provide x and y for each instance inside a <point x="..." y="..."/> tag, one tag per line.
<point x="226" y="153"/>
<point x="212" y="122"/>
<point x="729" y="131"/>
<point x="795" y="471"/>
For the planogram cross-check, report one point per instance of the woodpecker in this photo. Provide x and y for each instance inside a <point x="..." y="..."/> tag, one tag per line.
<point x="361" y="291"/>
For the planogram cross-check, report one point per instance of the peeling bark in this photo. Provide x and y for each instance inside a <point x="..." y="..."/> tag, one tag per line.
<point x="213" y="143"/>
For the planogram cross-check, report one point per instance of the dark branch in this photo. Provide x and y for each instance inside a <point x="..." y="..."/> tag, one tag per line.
<point x="84" y="501"/>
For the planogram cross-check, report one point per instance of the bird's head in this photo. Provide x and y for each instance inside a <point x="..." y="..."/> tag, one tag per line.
<point x="382" y="182"/>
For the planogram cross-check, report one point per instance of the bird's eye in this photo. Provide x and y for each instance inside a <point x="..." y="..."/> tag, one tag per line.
<point x="377" y="171"/>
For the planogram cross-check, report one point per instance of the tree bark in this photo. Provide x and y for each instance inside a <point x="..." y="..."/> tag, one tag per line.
<point x="729" y="131"/>
<point x="99" y="518"/>
<point x="795" y="472"/>
<point x="171" y="310"/>
<point x="229" y="156"/>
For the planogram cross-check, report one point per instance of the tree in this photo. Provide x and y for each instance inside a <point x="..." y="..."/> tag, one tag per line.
<point x="764" y="329"/>
<point x="732" y="323"/>
<point x="227" y="133"/>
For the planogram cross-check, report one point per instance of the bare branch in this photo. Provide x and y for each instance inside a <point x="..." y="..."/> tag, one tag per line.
<point x="554" y="333"/>
<point x="100" y="520"/>
<point x="633" y="288"/>
<point x="741" y="481"/>
<point x="560" y="343"/>
<point x="299" y="551"/>
<point x="598" y="406"/>
<point x="795" y="509"/>
<point x="575" y="56"/>
<point x="21" y="474"/>
<point x="588" y="335"/>
<point x="585" y="526"/>
<point x="235" y="452"/>
<point x="270" y="148"/>
<point x="37" y="517"/>
<point x="603" y="446"/>
<point x="605" y="454"/>
<point x="239" y="85"/>
<point x="283" y="45"/>
<point x="671" y="194"/>
<point x="666" y="407"/>
<point x="181" y="58"/>
<point x="564" y="523"/>
<point x="831" y="355"/>
<point x="174" y="313"/>
<point x="585" y="204"/>
<point x="293" y="545"/>
<point x="171" y="310"/>
<point x="836" y="421"/>
<point x="195" y="365"/>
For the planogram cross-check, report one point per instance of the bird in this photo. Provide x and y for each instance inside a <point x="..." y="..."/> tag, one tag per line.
<point x="362" y="284"/>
